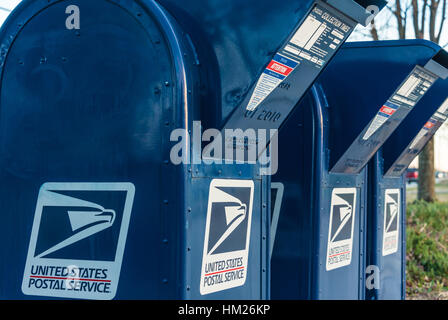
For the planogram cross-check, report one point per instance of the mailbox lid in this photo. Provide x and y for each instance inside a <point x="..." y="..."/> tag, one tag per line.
<point x="240" y="38"/>
<point x="361" y="79"/>
<point x="399" y="151"/>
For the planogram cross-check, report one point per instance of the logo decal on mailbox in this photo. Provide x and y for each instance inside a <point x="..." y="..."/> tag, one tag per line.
<point x="340" y="233"/>
<point x="391" y="221"/>
<point x="78" y="239"/>
<point x="227" y="235"/>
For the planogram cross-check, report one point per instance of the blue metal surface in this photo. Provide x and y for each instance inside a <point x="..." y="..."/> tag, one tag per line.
<point x="348" y="95"/>
<point x="300" y="247"/>
<point x="391" y="279"/>
<point x="97" y="105"/>
<point x="229" y="28"/>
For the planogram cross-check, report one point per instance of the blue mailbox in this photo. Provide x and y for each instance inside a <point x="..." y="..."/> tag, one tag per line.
<point x="92" y="205"/>
<point x="92" y="93"/>
<point x="318" y="232"/>
<point x="386" y="246"/>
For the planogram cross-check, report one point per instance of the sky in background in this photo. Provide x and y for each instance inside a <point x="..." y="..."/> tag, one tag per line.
<point x="387" y="27"/>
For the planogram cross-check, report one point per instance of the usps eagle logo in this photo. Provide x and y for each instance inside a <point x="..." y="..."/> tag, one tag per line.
<point x="341" y="228"/>
<point x="227" y="235"/>
<point x="78" y="240"/>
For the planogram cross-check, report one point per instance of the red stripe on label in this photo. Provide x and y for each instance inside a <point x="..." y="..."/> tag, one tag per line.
<point x="429" y="125"/>
<point x="338" y="254"/>
<point x="66" y="278"/>
<point x="279" y="68"/>
<point x="228" y="270"/>
<point x="387" y="110"/>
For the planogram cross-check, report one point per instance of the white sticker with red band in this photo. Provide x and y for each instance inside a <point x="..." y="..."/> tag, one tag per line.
<point x="380" y="119"/>
<point x="422" y="134"/>
<point x="407" y="95"/>
<point x="429" y="125"/>
<point x="277" y="71"/>
<point x="313" y="44"/>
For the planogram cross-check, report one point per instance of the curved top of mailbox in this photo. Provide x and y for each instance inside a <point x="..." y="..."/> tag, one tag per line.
<point x="361" y="81"/>
<point x="125" y="32"/>
<point x="93" y="109"/>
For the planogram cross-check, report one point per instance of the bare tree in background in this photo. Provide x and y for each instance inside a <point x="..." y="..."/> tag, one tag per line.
<point x="428" y="19"/>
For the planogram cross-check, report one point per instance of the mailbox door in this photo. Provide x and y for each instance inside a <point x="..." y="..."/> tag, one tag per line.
<point x="386" y="233"/>
<point x="227" y="237"/>
<point x="91" y="206"/>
